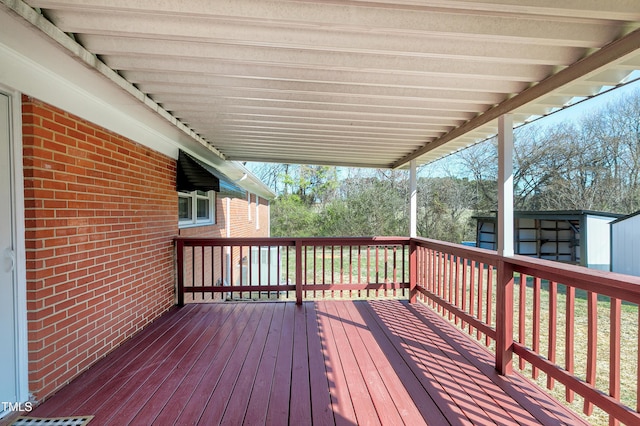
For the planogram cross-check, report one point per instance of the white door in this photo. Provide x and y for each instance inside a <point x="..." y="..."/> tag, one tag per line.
<point x="8" y="326"/>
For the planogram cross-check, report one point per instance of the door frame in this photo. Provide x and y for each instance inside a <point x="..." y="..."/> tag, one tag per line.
<point x="20" y="276"/>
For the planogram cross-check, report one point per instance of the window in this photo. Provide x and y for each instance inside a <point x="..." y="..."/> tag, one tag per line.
<point x="196" y="208"/>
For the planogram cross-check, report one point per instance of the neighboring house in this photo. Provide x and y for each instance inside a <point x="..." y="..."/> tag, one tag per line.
<point x="625" y="244"/>
<point x="91" y="202"/>
<point x="580" y="237"/>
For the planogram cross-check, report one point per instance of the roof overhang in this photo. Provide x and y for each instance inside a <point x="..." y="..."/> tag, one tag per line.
<point x="368" y="84"/>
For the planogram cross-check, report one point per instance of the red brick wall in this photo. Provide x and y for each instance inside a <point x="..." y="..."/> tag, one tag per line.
<point x="100" y="216"/>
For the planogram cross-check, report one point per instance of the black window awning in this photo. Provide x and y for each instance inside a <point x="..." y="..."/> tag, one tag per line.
<point x="195" y="175"/>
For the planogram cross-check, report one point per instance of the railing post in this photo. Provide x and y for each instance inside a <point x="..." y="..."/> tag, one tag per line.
<point x="504" y="318"/>
<point x="298" y="272"/>
<point x="413" y="270"/>
<point x="180" y="265"/>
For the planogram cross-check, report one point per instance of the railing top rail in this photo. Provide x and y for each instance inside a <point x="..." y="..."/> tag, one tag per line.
<point x="483" y="255"/>
<point x="285" y="241"/>
<point x="355" y="241"/>
<point x="248" y="241"/>
<point x="624" y="287"/>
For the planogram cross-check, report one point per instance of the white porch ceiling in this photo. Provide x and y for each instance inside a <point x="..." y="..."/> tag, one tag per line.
<point x="359" y="83"/>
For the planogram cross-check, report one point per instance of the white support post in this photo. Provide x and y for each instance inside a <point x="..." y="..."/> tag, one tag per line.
<point x="505" y="185"/>
<point x="413" y="200"/>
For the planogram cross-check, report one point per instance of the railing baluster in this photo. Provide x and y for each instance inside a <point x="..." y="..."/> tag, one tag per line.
<point x="377" y="269"/>
<point x="286" y="268"/>
<point x="213" y="269"/>
<point x="314" y="269"/>
<point x="553" y="322"/>
<point x="332" y="268"/>
<point x="299" y="272"/>
<point x="536" y="322"/>
<point x="440" y="276"/>
<point x="489" y="315"/>
<point x="592" y="345"/>
<point x="250" y="272"/>
<point x="193" y="267"/>
<point x="269" y="270"/>
<point x="614" y="353"/>
<point x="413" y="271"/>
<point x="480" y="291"/>
<point x="464" y="288"/>
<point x="450" y="282"/>
<point x="350" y="269"/>
<point x="180" y="266"/>
<point x="368" y="267"/>
<point x="472" y="287"/>
<point x="394" y="279"/>
<point x="223" y="268"/>
<point x="457" y="287"/>
<point x="359" y="268"/>
<point x="569" y="339"/>
<point x="341" y="267"/>
<point x="522" y="315"/>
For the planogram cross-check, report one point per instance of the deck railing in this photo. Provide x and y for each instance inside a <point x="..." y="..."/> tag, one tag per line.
<point x="284" y="268"/>
<point x="576" y="325"/>
<point x="572" y="329"/>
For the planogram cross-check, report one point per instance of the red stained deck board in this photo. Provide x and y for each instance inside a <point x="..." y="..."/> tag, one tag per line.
<point x="279" y="397"/>
<point x="170" y="370"/>
<point x="211" y="396"/>
<point x="300" y="406"/>
<point x="256" y="411"/>
<point x="382" y="364"/>
<point x="321" y="411"/>
<point x="341" y="404"/>
<point x="176" y="390"/>
<point x="362" y="403"/>
<point x="376" y="386"/>
<point x="235" y="409"/>
<point x="515" y="389"/>
<point x="325" y="362"/>
<point x="135" y="391"/>
<point x="475" y="399"/>
<point x="387" y="317"/>
<point x="415" y="385"/>
<point x="142" y="366"/>
<point x="192" y="397"/>
<point x="89" y="382"/>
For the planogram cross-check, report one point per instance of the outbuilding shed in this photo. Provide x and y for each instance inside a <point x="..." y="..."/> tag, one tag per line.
<point x="580" y="237"/>
<point x="625" y="244"/>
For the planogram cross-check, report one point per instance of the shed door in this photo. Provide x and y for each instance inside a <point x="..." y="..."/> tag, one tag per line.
<point x="8" y="326"/>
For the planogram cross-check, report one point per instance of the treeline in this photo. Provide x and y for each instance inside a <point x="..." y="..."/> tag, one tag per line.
<point x="590" y="164"/>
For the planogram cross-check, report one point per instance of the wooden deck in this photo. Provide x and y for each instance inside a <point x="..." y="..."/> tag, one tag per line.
<point x="333" y="362"/>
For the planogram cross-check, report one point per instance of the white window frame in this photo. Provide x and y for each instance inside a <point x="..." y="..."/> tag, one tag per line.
<point x="193" y="197"/>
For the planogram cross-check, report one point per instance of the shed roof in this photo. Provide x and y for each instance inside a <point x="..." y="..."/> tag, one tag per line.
<point x="555" y="214"/>
<point x="623" y="218"/>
